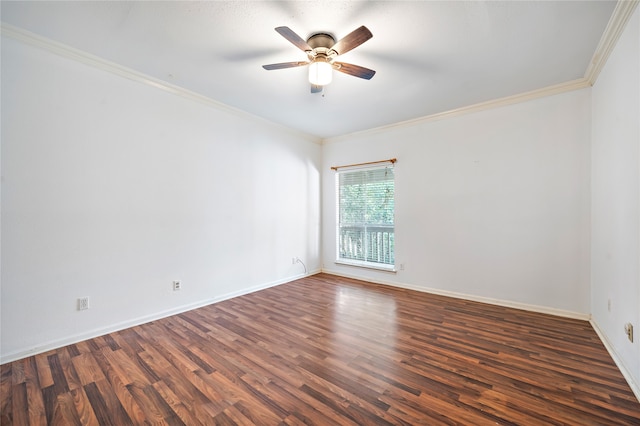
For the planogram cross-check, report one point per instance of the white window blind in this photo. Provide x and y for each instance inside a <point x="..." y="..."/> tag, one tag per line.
<point x="365" y="216"/>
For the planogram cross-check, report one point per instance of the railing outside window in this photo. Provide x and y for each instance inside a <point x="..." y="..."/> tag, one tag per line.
<point x="370" y="243"/>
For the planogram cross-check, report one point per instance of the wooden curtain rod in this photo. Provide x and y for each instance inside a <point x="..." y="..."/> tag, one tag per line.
<point x="392" y="161"/>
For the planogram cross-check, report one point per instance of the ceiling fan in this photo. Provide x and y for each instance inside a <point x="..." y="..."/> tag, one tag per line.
<point x="322" y="51"/>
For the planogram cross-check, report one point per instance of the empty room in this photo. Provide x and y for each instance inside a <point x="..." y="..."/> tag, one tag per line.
<point x="320" y="212"/>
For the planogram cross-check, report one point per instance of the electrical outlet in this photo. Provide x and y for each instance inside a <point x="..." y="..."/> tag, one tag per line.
<point x="293" y="260"/>
<point x="177" y="285"/>
<point x="402" y="266"/>
<point x="83" y="303"/>
<point x="609" y="305"/>
<point x="628" y="329"/>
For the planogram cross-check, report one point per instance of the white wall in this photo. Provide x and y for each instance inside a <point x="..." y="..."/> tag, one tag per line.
<point x="492" y="205"/>
<point x="112" y="189"/>
<point x="615" y="256"/>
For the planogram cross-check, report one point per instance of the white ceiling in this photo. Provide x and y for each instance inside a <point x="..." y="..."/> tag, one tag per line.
<point x="430" y="56"/>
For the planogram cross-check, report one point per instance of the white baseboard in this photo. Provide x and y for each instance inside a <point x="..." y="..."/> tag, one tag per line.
<point x="471" y="297"/>
<point x="635" y="387"/>
<point x="58" y="343"/>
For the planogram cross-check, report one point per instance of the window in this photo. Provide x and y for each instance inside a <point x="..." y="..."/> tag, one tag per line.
<point x="365" y="216"/>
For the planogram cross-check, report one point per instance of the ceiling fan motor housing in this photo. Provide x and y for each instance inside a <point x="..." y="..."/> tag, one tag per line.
<point x="321" y="40"/>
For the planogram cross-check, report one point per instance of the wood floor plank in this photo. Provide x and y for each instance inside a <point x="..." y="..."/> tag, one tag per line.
<point x="328" y="350"/>
<point x="19" y="401"/>
<point x="83" y="408"/>
<point x="35" y="403"/>
<point x="17" y="372"/>
<point x="249" y="402"/>
<point x="238" y="418"/>
<point x="123" y="395"/>
<point x="60" y="385"/>
<point x="49" y="398"/>
<point x="65" y="411"/>
<point x="125" y="367"/>
<point x="45" y="378"/>
<point x="106" y="404"/>
<point x="87" y="368"/>
<point x="156" y="410"/>
<point x="177" y="379"/>
<point x="68" y="369"/>
<point x="182" y="413"/>
<point x="6" y="396"/>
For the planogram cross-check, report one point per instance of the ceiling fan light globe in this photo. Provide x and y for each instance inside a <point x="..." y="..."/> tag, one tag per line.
<point x="320" y="73"/>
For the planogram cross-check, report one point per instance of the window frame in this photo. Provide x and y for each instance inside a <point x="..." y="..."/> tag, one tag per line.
<point x="364" y="263"/>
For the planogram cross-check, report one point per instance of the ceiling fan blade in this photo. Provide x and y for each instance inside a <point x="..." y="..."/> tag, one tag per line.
<point x="315" y="88"/>
<point x="283" y="65"/>
<point x="354" y="70"/>
<point x="294" y="38"/>
<point x="352" y="40"/>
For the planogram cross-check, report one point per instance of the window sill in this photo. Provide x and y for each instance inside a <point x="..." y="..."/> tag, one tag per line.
<point x="367" y="265"/>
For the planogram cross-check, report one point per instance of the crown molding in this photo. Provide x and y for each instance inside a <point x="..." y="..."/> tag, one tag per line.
<point x="621" y="14"/>
<point x="77" y="55"/>
<point x="577" y="84"/>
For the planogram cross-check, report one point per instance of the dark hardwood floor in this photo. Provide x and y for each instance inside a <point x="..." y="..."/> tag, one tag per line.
<point x="329" y="351"/>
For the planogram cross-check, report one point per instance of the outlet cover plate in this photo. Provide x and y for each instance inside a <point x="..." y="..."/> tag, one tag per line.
<point x="83" y="303"/>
